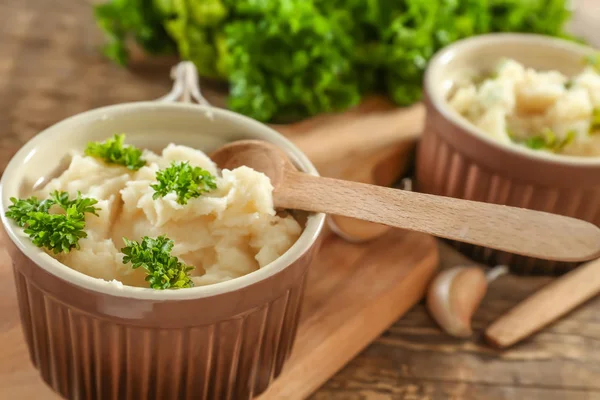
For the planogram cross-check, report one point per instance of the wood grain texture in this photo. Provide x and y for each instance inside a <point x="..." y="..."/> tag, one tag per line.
<point x="415" y="360"/>
<point x="49" y="69"/>
<point x="329" y="143"/>
<point x="362" y="387"/>
<point x="548" y="304"/>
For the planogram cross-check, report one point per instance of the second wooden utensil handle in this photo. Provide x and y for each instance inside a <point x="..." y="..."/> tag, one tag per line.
<point x="516" y="230"/>
<point x="546" y="305"/>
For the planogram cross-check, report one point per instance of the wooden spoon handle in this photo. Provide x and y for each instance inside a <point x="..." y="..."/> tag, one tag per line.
<point x="516" y="230"/>
<point x="546" y="305"/>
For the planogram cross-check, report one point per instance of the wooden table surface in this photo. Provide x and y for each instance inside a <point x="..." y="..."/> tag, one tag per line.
<point x="50" y="69"/>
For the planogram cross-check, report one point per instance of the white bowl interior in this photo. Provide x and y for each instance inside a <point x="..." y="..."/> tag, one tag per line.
<point x="150" y="125"/>
<point x="479" y="54"/>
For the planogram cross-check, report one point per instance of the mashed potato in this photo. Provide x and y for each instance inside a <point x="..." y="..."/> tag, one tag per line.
<point x="543" y="110"/>
<point x="226" y="233"/>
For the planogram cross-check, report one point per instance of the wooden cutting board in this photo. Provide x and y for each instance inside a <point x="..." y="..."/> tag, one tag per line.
<point x="355" y="291"/>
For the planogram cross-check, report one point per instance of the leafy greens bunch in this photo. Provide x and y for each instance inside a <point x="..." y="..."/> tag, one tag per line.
<point x="288" y="59"/>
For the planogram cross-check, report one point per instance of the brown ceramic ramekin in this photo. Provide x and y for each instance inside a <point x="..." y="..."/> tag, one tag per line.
<point x="455" y="159"/>
<point x="94" y="340"/>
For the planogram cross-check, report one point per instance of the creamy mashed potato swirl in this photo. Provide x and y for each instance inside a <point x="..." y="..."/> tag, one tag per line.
<point x="224" y="234"/>
<point x="542" y="110"/>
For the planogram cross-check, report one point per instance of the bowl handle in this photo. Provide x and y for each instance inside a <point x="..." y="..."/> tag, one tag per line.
<point x="186" y="86"/>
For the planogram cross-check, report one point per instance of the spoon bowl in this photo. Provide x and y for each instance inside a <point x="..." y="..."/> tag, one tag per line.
<point x="258" y="155"/>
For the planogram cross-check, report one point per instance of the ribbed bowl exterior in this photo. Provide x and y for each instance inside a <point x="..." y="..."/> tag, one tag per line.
<point x="452" y="162"/>
<point x="88" y="345"/>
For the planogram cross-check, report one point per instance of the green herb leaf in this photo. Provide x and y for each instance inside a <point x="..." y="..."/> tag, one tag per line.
<point x="184" y="180"/>
<point x="57" y="232"/>
<point x="536" y="142"/>
<point x="593" y="60"/>
<point x="21" y="208"/>
<point x="549" y="137"/>
<point x="80" y="204"/>
<point x="154" y="255"/>
<point x="547" y="140"/>
<point x="595" y="123"/>
<point x="567" y="140"/>
<point x="113" y="151"/>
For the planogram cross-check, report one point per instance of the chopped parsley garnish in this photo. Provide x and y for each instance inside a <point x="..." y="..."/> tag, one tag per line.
<point x="595" y="123"/>
<point x="57" y="232"/>
<point x="536" y="142"/>
<point x="114" y="151"/>
<point x="547" y="140"/>
<point x="567" y="140"/>
<point x="184" y="180"/>
<point x="593" y="60"/>
<point x="154" y="255"/>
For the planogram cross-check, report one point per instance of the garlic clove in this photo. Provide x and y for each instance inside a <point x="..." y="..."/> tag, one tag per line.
<point x="453" y="297"/>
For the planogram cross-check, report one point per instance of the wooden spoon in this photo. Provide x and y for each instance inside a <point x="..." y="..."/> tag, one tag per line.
<point x="516" y="230"/>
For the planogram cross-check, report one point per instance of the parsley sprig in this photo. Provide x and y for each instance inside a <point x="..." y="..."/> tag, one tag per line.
<point x="57" y="232"/>
<point x="183" y="179"/>
<point x="114" y="151"/>
<point x="154" y="255"/>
